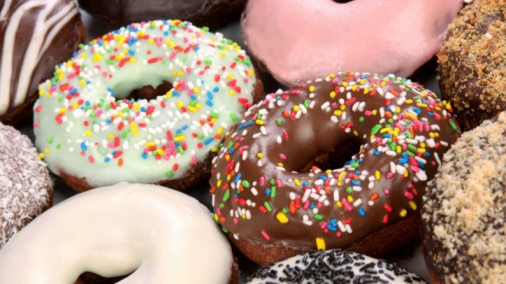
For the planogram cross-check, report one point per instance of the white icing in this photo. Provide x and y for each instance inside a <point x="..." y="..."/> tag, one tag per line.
<point x="47" y="25"/>
<point x="212" y="78"/>
<point x="162" y="234"/>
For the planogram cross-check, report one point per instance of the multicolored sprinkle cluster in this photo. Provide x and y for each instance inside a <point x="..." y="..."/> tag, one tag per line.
<point x="86" y="125"/>
<point x="260" y="194"/>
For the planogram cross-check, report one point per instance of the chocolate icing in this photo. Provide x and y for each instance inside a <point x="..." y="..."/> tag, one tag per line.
<point x="260" y="196"/>
<point x="209" y="13"/>
<point x="35" y="36"/>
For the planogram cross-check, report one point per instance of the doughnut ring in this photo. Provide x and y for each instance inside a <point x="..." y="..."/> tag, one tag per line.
<point x="91" y="134"/>
<point x="264" y="200"/>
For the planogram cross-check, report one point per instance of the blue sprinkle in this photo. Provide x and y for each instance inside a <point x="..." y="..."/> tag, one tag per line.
<point x="83" y="146"/>
<point x="361" y="212"/>
<point x="208" y="141"/>
<point x="355" y="182"/>
<point x="144" y="155"/>
<point x="237" y="178"/>
<point x="209" y="103"/>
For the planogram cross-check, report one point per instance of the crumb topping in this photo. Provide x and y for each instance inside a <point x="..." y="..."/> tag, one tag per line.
<point x="464" y="208"/>
<point x="472" y="66"/>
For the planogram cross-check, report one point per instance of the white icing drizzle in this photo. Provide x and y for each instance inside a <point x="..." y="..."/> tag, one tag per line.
<point x="164" y="235"/>
<point x="46" y="27"/>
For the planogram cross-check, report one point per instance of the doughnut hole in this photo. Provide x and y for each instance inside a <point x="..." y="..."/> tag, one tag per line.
<point x="336" y="158"/>
<point x="150" y="92"/>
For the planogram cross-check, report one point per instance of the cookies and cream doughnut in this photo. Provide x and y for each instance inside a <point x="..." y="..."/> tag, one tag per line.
<point x="151" y="233"/>
<point x="471" y="63"/>
<point x="272" y="208"/>
<point x="332" y="266"/>
<point x="35" y="36"/>
<point x="26" y="189"/>
<point x="92" y="134"/>
<point x="464" y="209"/>
<point x="213" y="14"/>
<point x="299" y="40"/>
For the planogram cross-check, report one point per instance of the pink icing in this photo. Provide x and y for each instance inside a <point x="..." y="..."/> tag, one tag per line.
<point x="299" y="40"/>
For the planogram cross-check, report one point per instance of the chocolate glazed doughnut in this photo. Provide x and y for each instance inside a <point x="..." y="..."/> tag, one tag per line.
<point x="34" y="37"/>
<point x="271" y="209"/>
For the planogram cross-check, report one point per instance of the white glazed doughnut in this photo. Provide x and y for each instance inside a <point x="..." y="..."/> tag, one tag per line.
<point x="158" y="233"/>
<point x="333" y="266"/>
<point x="87" y="129"/>
<point x="299" y="40"/>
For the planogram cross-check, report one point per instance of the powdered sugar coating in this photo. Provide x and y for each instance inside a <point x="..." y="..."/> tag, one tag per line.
<point x="464" y="209"/>
<point x="26" y="188"/>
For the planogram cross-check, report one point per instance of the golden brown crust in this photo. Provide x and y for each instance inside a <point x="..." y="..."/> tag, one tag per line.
<point x="471" y="63"/>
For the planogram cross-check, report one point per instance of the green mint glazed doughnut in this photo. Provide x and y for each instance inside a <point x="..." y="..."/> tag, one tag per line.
<point x="91" y="132"/>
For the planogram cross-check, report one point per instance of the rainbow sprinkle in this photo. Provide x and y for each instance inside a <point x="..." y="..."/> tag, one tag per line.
<point x="259" y="193"/>
<point x="85" y="125"/>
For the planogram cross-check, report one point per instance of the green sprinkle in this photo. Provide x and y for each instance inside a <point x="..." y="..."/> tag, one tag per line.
<point x="226" y="195"/>
<point x="273" y="192"/>
<point x="453" y="125"/>
<point x="268" y="206"/>
<point x="245" y="183"/>
<point x="279" y="121"/>
<point x="169" y="174"/>
<point x="375" y="129"/>
<point x="318" y="217"/>
<point x="233" y="116"/>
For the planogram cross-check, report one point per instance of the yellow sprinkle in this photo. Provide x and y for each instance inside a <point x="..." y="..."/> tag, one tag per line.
<point x="337" y="112"/>
<point x="332" y="94"/>
<point x="412" y="204"/>
<point x="260" y="155"/>
<point x="133" y="60"/>
<point x="133" y="126"/>
<point x="151" y="40"/>
<point x="259" y="122"/>
<point x="340" y="178"/>
<point x="179" y="104"/>
<point x="179" y="138"/>
<point x="196" y="90"/>
<point x="96" y="57"/>
<point x="216" y="217"/>
<point x="46" y="150"/>
<point x="339" y="204"/>
<point x="377" y="175"/>
<point x="350" y="199"/>
<point x="222" y="54"/>
<point x="344" y="84"/>
<point x="296" y="182"/>
<point x="282" y="217"/>
<point x="110" y="136"/>
<point x="320" y="244"/>
<point x="192" y="109"/>
<point x="311" y="88"/>
<point x="82" y="83"/>
<point x="218" y="183"/>
<point x="251" y="72"/>
<point x="215" y="149"/>
<point x="354" y="87"/>
<point x="403" y="213"/>
<point x="332" y="75"/>
<point x="88" y="133"/>
<point x="231" y="92"/>
<point x="41" y="156"/>
<point x="150" y="144"/>
<point x="180" y="73"/>
<point x="230" y="76"/>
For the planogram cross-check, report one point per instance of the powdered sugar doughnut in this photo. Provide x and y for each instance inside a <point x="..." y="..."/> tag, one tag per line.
<point x="151" y="233"/>
<point x="26" y="189"/>
<point x="333" y="266"/>
<point x="299" y="40"/>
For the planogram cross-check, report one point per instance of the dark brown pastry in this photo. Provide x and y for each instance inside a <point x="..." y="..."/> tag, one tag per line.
<point x="35" y="36"/>
<point x="213" y="14"/>
<point x="472" y="67"/>
<point x="464" y="209"/>
<point x="272" y="209"/>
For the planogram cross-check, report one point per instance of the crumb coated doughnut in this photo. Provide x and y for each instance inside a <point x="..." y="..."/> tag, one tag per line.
<point x="151" y="233"/>
<point x="213" y="14"/>
<point x="333" y="266"/>
<point x="92" y="134"/>
<point x="299" y="40"/>
<point x="271" y="208"/>
<point x="26" y="189"/>
<point x="35" y="35"/>
<point x="464" y="209"/>
<point x="471" y="63"/>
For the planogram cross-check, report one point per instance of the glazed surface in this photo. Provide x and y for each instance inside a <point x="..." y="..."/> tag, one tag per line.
<point x="35" y="36"/>
<point x="464" y="210"/>
<point x="300" y="40"/>
<point x="157" y="233"/>
<point x="84" y="124"/>
<point x="260" y="195"/>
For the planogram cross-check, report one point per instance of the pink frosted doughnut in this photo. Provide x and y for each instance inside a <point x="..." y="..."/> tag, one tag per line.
<point x="299" y="40"/>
